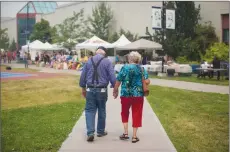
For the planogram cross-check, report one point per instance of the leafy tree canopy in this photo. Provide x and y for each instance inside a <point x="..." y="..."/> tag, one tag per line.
<point x="116" y="35"/>
<point x="13" y="46"/>
<point x="4" y="39"/>
<point x="220" y="50"/>
<point x="100" y="21"/>
<point x="176" y="41"/>
<point x="189" y="38"/>
<point x="72" y="30"/>
<point x="42" y="31"/>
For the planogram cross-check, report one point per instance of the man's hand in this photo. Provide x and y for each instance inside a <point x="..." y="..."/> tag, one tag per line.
<point x="83" y="92"/>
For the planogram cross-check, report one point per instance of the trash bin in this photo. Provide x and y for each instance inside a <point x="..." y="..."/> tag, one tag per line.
<point x="170" y="72"/>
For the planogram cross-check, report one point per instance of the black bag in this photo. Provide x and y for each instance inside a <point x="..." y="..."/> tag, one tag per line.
<point x="8" y="68"/>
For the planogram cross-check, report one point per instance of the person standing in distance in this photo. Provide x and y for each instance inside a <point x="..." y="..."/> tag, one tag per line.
<point x="95" y="77"/>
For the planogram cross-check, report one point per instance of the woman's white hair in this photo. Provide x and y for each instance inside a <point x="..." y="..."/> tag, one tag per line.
<point x="134" y="57"/>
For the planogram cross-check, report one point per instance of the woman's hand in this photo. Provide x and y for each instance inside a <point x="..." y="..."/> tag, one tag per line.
<point x="147" y="81"/>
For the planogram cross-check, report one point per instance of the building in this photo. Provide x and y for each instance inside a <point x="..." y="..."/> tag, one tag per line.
<point x="132" y="16"/>
<point x="218" y="14"/>
<point x="26" y="18"/>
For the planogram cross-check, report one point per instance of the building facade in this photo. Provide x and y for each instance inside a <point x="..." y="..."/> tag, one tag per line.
<point x="132" y="16"/>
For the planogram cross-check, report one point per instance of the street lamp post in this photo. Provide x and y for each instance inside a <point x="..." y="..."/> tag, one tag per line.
<point x="27" y="31"/>
<point x="163" y="33"/>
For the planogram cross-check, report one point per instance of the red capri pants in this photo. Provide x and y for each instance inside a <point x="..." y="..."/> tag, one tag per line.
<point x="137" y="107"/>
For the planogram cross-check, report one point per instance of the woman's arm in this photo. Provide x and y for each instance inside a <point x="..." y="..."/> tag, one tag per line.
<point x="146" y="77"/>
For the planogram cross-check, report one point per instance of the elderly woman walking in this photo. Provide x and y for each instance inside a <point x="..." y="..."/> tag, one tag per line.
<point x="132" y="95"/>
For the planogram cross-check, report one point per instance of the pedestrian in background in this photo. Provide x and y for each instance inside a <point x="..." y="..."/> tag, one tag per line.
<point x="26" y="59"/>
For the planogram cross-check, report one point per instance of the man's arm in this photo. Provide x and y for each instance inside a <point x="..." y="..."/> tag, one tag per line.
<point x="82" y="82"/>
<point x="112" y="77"/>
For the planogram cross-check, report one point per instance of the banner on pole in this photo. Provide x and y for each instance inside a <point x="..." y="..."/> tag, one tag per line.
<point x="156" y="17"/>
<point x="170" y="19"/>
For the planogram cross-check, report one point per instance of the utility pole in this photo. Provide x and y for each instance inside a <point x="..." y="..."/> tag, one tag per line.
<point x="27" y="30"/>
<point x="163" y="32"/>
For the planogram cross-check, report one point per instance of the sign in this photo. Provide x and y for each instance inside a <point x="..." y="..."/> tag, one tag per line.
<point x="27" y="42"/>
<point x="170" y="19"/>
<point x="156" y="17"/>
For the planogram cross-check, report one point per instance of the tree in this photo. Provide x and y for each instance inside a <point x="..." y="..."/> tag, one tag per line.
<point x="4" y="39"/>
<point x="72" y="30"/>
<point x="12" y="46"/>
<point x="220" y="50"/>
<point x="116" y="35"/>
<point x="42" y="32"/>
<point x="205" y="36"/>
<point x="102" y="16"/>
<point x="178" y="42"/>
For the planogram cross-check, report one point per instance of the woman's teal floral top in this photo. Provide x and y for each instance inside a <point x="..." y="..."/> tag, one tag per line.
<point x="130" y="77"/>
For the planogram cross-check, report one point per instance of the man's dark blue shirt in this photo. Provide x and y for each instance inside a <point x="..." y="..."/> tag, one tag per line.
<point x="105" y="71"/>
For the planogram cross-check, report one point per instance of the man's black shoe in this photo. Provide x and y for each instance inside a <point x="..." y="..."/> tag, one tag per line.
<point x="102" y="135"/>
<point x="90" y="138"/>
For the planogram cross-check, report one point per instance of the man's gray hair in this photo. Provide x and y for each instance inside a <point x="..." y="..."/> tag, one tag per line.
<point x="134" y="57"/>
<point x="100" y="51"/>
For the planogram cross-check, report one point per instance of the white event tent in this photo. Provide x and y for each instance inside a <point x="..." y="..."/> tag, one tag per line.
<point x="141" y="44"/>
<point x="122" y="41"/>
<point x="33" y="45"/>
<point x="48" y="46"/>
<point x="93" y="43"/>
<point x="38" y="46"/>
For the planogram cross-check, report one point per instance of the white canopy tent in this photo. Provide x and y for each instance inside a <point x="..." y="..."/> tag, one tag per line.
<point x="39" y="47"/>
<point x="122" y="41"/>
<point x="93" y="43"/>
<point x="141" y="44"/>
<point x="48" y="46"/>
<point x="58" y="47"/>
<point x="34" y="45"/>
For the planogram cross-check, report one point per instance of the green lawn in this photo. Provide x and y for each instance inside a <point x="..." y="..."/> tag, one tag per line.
<point x="193" y="78"/>
<point x="37" y="115"/>
<point x="194" y="121"/>
<point x="39" y="129"/>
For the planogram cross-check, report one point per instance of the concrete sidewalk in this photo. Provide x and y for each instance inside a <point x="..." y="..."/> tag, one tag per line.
<point x="153" y="137"/>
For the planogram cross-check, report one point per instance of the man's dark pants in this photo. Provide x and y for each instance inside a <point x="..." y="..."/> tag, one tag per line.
<point x="95" y="100"/>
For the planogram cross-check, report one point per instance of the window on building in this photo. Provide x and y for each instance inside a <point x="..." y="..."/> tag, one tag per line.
<point x="226" y="36"/>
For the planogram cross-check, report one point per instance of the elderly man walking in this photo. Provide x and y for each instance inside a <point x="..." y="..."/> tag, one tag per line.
<point x="95" y="77"/>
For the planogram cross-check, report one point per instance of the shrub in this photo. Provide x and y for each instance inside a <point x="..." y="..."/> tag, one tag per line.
<point x="184" y="60"/>
<point x="181" y="59"/>
<point x="220" y="50"/>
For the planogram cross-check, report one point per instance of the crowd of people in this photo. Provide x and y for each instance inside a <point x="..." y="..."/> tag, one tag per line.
<point x="61" y="60"/>
<point x="7" y="56"/>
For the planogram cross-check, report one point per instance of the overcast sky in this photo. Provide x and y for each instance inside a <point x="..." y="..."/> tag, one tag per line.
<point x="10" y="9"/>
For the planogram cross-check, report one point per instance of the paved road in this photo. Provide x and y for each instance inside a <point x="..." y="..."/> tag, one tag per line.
<point x="153" y="137"/>
<point x="191" y="86"/>
<point x="159" y="82"/>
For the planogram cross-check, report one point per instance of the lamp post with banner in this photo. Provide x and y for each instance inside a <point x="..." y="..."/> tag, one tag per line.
<point x="163" y="34"/>
<point x="163" y="19"/>
<point x="27" y="28"/>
